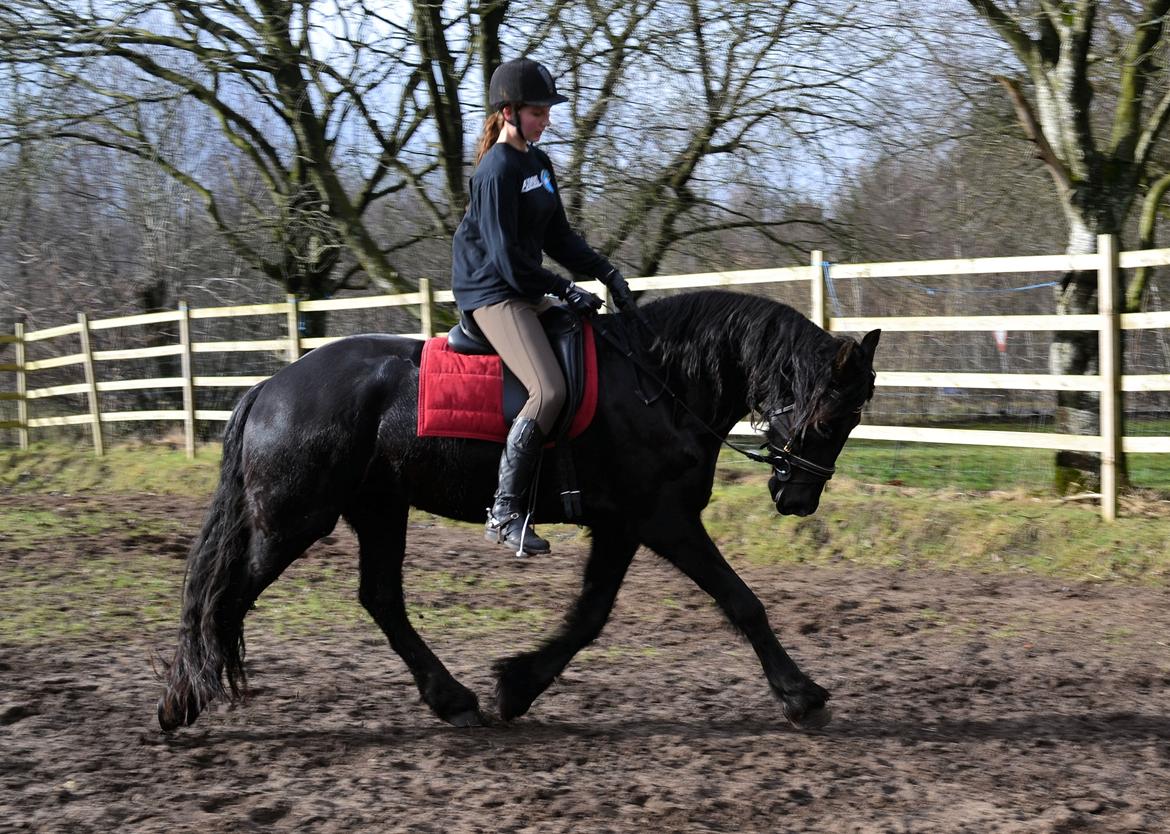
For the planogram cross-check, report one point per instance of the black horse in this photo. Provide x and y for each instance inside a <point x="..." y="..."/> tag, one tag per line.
<point x="333" y="435"/>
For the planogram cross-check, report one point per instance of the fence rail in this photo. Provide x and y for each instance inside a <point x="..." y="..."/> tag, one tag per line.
<point x="1107" y="322"/>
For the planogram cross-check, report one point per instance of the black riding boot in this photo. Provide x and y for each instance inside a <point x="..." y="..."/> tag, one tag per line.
<point x="507" y="517"/>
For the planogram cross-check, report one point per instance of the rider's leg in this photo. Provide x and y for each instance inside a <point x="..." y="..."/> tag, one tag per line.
<point x="513" y="329"/>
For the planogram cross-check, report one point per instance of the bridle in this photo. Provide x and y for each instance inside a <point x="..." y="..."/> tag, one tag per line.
<point x="785" y="460"/>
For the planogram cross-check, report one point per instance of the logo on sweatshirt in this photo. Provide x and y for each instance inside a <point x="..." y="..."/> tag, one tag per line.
<point x="541" y="180"/>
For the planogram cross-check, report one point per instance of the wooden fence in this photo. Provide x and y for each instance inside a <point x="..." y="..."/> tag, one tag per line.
<point x="1107" y="322"/>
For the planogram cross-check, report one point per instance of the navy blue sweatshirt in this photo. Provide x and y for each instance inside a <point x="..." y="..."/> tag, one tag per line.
<point x="515" y="213"/>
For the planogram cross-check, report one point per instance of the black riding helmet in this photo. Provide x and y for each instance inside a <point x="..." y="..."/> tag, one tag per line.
<point x="522" y="81"/>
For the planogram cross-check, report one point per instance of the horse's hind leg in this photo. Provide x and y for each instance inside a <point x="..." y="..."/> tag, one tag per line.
<point x="382" y="539"/>
<point x="523" y="677"/>
<point x="224" y="580"/>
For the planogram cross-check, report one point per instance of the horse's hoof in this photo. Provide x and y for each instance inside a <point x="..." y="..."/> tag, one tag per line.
<point x="468" y="718"/>
<point x="815" y="719"/>
<point x="172" y="716"/>
<point x="167" y="719"/>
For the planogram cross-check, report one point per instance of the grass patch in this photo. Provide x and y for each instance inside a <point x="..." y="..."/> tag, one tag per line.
<point x="912" y="528"/>
<point x="131" y="468"/>
<point x="941" y="513"/>
<point x="21" y="528"/>
<point x="610" y="654"/>
<point x="976" y="468"/>
<point x="99" y="599"/>
<point x="300" y="605"/>
<point x="477" y="621"/>
<point x="442" y="581"/>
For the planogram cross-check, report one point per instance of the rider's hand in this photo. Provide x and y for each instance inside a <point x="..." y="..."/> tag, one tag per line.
<point x="581" y="301"/>
<point x="620" y="290"/>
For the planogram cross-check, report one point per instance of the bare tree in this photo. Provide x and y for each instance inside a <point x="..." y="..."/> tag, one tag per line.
<point x="681" y="104"/>
<point x="314" y="99"/>
<point x="676" y="106"/>
<point x="688" y="116"/>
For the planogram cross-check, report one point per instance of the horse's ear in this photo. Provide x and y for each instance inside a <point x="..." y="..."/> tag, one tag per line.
<point x="870" y="342"/>
<point x="844" y="351"/>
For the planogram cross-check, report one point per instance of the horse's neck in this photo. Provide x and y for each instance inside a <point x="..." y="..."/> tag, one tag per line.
<point x="715" y="387"/>
<point x="718" y="360"/>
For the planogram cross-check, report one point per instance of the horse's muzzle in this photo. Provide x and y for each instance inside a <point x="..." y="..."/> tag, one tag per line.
<point x="791" y="498"/>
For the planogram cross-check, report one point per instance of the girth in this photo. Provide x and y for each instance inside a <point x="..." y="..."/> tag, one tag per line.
<point x="565" y="335"/>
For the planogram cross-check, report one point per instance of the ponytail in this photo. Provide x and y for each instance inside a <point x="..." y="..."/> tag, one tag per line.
<point x="491" y="132"/>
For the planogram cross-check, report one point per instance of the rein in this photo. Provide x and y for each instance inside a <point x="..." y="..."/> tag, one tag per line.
<point x="783" y="460"/>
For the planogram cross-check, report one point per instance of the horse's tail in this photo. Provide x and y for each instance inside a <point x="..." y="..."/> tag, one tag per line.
<point x="211" y="636"/>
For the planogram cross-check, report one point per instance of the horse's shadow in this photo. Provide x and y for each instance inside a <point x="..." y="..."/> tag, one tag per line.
<point x="1090" y="728"/>
<point x="1087" y="729"/>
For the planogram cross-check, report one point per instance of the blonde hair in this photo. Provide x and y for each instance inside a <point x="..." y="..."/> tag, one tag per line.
<point x="491" y="132"/>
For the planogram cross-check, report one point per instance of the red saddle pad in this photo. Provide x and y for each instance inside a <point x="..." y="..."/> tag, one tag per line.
<point x="463" y="396"/>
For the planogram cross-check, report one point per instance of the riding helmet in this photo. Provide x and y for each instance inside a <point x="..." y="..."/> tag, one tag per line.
<point x="523" y="81"/>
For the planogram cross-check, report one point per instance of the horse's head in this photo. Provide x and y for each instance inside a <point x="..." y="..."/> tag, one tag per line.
<point x="804" y="439"/>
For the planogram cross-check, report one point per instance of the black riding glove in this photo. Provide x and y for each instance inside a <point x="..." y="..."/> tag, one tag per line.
<point x="581" y="301"/>
<point x="622" y="297"/>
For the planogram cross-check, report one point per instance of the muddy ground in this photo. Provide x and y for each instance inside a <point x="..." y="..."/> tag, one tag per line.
<point x="963" y="702"/>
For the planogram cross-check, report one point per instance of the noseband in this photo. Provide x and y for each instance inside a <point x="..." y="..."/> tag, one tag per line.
<point x="784" y="460"/>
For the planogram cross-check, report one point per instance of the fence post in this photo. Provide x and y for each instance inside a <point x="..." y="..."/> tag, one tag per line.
<point x="294" y="329"/>
<point x="188" y="371"/>
<point x="817" y="311"/>
<point x="21" y="387"/>
<point x="1109" y="350"/>
<point x="426" y="313"/>
<point x="95" y="406"/>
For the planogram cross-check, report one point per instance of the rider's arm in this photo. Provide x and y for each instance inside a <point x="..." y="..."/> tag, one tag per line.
<point x="568" y="248"/>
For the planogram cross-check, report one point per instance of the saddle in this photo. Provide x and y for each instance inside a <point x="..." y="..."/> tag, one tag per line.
<point x="463" y="383"/>
<point x="566" y="335"/>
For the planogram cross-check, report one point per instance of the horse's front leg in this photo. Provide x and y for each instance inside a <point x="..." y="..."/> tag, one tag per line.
<point x="687" y="546"/>
<point x="523" y="677"/>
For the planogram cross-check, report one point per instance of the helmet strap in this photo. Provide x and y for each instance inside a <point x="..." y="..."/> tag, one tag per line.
<point x="515" y="121"/>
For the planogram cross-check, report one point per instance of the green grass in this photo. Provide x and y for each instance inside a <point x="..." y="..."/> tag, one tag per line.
<point x="914" y="506"/>
<point x="976" y="468"/>
<point x="97" y="600"/>
<point x="24" y="528"/>
<point x="140" y="468"/>
<point x="947" y="467"/>
<point x="917" y="528"/>
<point x="134" y="468"/>
<point x="985" y="468"/>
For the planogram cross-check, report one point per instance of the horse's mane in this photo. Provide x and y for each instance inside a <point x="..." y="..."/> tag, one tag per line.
<point x="699" y="333"/>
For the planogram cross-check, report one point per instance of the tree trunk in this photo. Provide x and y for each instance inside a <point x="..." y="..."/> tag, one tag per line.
<point x="1076" y="353"/>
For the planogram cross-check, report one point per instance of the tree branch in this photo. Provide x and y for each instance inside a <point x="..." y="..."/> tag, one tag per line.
<point x="1035" y="133"/>
<point x="1008" y="28"/>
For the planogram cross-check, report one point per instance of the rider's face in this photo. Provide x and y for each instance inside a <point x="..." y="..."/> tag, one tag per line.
<point x="533" y="121"/>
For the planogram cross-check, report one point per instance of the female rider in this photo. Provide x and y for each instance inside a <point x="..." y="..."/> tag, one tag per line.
<point x="514" y="214"/>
